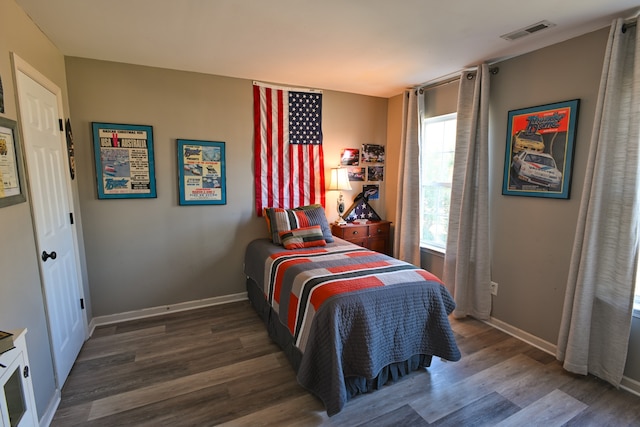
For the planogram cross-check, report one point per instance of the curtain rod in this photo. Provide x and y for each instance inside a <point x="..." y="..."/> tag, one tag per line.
<point x="446" y="81"/>
<point x="630" y="22"/>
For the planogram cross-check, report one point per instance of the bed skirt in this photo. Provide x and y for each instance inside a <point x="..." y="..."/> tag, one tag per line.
<point x="354" y="385"/>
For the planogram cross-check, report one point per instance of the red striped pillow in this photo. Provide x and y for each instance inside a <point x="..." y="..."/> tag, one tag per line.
<point x="279" y="219"/>
<point x="305" y="237"/>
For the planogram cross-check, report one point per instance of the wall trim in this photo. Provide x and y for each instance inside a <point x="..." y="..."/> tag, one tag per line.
<point x="164" y="309"/>
<point x="627" y="384"/>
<point x="533" y="340"/>
<point x="47" y="417"/>
<point x="630" y="385"/>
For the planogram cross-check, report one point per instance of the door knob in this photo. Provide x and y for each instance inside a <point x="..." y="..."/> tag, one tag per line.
<point x="46" y="256"/>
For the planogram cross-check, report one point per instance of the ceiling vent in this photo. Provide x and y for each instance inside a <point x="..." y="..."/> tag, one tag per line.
<point x="534" y="28"/>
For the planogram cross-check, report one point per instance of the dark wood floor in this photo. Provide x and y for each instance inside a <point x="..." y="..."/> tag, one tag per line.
<point x="216" y="366"/>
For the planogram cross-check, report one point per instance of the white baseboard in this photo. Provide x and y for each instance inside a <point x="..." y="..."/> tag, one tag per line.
<point x="630" y="385"/>
<point x="627" y="384"/>
<point x="158" y="311"/>
<point x="47" y="417"/>
<point x="543" y="345"/>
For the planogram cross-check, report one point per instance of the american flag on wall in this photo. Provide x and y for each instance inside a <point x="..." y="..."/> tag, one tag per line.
<point x="289" y="164"/>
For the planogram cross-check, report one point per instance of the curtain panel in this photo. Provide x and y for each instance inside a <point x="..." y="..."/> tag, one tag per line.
<point x="407" y="239"/>
<point x="597" y="314"/>
<point x="467" y="261"/>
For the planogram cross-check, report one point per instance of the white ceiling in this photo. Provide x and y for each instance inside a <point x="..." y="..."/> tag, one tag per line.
<point x="371" y="47"/>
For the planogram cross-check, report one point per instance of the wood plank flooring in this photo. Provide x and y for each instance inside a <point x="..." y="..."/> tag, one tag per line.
<point x="217" y="366"/>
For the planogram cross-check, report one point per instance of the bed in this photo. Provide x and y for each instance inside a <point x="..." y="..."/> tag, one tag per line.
<point x="348" y="319"/>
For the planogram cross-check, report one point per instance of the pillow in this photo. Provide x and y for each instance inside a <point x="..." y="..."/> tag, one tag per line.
<point x="305" y="237"/>
<point x="299" y="208"/>
<point x="279" y="219"/>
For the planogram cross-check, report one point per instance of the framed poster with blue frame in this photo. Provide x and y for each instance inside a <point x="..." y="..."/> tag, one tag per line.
<point x="202" y="172"/>
<point x="539" y="153"/>
<point x="124" y="161"/>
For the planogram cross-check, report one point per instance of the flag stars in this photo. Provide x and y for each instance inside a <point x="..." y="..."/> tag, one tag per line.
<point x="305" y="111"/>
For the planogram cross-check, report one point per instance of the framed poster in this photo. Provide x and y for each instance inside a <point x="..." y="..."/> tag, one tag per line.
<point x="12" y="184"/>
<point x="124" y="161"/>
<point x="539" y="153"/>
<point x="201" y="169"/>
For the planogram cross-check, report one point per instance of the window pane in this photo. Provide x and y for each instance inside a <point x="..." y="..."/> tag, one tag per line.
<point x="437" y="150"/>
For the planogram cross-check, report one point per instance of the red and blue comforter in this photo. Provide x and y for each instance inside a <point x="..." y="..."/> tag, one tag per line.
<point x="351" y="312"/>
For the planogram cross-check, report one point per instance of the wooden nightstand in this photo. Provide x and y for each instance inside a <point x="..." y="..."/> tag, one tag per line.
<point x="374" y="235"/>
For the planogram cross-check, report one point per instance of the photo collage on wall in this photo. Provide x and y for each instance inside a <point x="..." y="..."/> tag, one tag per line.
<point x="365" y="165"/>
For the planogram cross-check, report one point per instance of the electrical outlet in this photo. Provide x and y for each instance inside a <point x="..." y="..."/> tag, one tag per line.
<point x="494" y="288"/>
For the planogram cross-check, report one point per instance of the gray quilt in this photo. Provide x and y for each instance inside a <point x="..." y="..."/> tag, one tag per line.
<point x="401" y="312"/>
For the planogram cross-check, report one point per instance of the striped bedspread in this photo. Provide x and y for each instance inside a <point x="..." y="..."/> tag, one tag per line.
<point x="297" y="284"/>
<point x="351" y="313"/>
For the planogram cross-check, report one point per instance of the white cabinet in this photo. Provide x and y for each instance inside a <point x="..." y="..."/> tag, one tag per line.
<point x="17" y="406"/>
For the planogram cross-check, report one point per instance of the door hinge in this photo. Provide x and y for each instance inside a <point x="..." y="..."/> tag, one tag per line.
<point x="71" y="217"/>
<point x="61" y="126"/>
<point x="81" y="303"/>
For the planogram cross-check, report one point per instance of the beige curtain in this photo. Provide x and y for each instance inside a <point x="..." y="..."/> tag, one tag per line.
<point x="596" y="320"/>
<point x="467" y="259"/>
<point x="407" y="236"/>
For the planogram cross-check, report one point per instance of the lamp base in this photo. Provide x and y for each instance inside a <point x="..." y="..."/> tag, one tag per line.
<point x="340" y="206"/>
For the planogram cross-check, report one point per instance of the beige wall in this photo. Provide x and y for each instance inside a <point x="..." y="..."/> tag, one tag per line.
<point x="145" y="253"/>
<point x="21" y="300"/>
<point x="532" y="238"/>
<point x="394" y="134"/>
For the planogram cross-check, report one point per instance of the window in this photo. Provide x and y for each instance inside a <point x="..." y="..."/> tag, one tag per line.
<point x="437" y="150"/>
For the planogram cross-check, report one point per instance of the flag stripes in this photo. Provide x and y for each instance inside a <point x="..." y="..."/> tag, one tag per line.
<point x="289" y="169"/>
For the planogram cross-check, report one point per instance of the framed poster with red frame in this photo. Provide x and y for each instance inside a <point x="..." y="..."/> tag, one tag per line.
<point x="539" y="152"/>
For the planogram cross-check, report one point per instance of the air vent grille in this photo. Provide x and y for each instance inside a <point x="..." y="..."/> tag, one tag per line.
<point x="533" y="28"/>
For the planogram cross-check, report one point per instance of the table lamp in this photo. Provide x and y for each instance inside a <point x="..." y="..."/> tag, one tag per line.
<point x="339" y="181"/>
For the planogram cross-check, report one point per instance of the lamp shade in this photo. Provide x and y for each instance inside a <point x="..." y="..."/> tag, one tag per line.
<point x="339" y="179"/>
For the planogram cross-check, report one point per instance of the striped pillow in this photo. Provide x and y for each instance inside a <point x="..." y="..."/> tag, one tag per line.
<point x="305" y="237"/>
<point x="279" y="219"/>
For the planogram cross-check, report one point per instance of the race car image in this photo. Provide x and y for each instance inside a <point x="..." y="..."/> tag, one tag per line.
<point x="537" y="168"/>
<point x="524" y="140"/>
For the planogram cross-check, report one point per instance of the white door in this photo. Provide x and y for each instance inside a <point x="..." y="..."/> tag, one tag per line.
<point x="49" y="191"/>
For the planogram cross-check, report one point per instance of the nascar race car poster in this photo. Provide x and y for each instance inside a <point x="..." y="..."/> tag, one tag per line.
<point x="539" y="152"/>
